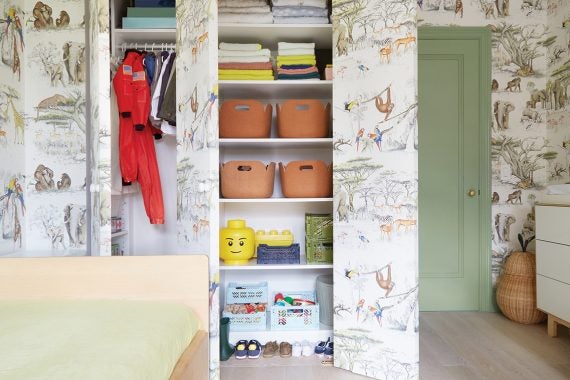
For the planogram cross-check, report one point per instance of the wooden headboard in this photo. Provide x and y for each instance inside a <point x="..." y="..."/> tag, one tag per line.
<point x="183" y="279"/>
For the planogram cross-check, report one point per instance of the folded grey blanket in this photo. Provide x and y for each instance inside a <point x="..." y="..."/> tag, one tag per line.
<point x="241" y="3"/>
<point x="301" y="20"/>
<point x="289" y="11"/>
<point x="245" y="18"/>
<point x="300" y="3"/>
<point x="261" y="9"/>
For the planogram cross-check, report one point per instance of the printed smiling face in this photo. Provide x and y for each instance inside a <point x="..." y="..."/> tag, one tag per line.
<point x="237" y="243"/>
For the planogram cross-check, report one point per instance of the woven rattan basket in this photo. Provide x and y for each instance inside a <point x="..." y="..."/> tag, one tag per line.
<point x="516" y="289"/>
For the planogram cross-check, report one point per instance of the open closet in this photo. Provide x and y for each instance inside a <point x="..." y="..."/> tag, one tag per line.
<point x="372" y="93"/>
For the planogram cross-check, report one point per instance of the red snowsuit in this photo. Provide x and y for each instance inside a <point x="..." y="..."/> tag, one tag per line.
<point x="137" y="155"/>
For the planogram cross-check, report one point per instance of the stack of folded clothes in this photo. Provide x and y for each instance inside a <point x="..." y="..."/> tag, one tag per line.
<point x="300" y="12"/>
<point x="244" y="62"/>
<point x="244" y="12"/>
<point x="297" y="61"/>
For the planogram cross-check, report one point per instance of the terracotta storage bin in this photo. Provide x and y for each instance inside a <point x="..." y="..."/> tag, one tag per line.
<point x="245" y="119"/>
<point x="306" y="179"/>
<point x="247" y="179"/>
<point x="303" y="118"/>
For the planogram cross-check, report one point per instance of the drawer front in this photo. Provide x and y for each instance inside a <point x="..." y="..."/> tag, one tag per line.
<point x="553" y="224"/>
<point x="553" y="296"/>
<point x="553" y="260"/>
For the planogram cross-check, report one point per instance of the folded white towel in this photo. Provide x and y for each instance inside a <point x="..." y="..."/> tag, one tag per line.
<point x="300" y="12"/>
<point x="245" y="18"/>
<point x="264" y="9"/>
<point x="296" y="52"/>
<point x="243" y="59"/>
<point x="265" y="53"/>
<point x="300" y="3"/>
<point x="239" y="47"/>
<point x="301" y="20"/>
<point x="295" y="45"/>
<point x="241" y="3"/>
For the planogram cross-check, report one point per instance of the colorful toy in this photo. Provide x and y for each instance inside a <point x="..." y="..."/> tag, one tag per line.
<point x="273" y="238"/>
<point x="237" y="243"/>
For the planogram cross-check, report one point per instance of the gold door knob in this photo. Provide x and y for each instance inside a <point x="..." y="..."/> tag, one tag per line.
<point x="471" y="193"/>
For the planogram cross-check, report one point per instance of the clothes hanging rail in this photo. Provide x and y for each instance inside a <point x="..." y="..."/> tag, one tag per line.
<point x="149" y="46"/>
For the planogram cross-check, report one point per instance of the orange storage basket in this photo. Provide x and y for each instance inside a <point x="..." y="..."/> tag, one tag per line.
<point x="247" y="179"/>
<point x="245" y="119"/>
<point x="306" y="179"/>
<point x="303" y="118"/>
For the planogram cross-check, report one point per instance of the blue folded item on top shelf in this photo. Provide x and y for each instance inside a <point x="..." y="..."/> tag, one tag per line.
<point x="299" y="76"/>
<point x="149" y="22"/>
<point x="155" y="3"/>
<point x="279" y="254"/>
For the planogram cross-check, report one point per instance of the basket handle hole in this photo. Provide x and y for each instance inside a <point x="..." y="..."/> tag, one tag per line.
<point x="306" y="167"/>
<point x="244" y="168"/>
<point x="242" y="107"/>
<point x="302" y="107"/>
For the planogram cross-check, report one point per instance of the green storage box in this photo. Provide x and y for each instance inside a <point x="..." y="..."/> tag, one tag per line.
<point x="319" y="251"/>
<point x="151" y="12"/>
<point x="319" y="227"/>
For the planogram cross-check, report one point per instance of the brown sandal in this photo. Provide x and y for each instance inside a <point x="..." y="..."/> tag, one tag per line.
<point x="270" y="350"/>
<point x="285" y="350"/>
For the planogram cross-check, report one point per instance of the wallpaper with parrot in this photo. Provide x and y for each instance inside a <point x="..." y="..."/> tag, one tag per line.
<point x="43" y="128"/>
<point x="375" y="188"/>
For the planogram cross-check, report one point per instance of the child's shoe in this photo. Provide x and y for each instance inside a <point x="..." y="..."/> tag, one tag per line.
<point x="254" y="349"/>
<point x="320" y="348"/>
<point x="241" y="349"/>
<point x="329" y="350"/>
<point x="297" y="349"/>
<point x="307" y="349"/>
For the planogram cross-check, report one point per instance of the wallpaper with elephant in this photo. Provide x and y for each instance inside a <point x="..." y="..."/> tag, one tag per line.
<point x="43" y="89"/>
<point x="100" y="126"/>
<point x="530" y="134"/>
<point x="197" y="137"/>
<point x="376" y="188"/>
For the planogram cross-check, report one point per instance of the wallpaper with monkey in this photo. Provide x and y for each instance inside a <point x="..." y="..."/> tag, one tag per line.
<point x="197" y="139"/>
<point x="531" y="132"/>
<point x="375" y="187"/>
<point x="43" y="126"/>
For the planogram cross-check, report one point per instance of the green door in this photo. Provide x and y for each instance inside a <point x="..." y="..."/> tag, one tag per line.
<point x="451" y="120"/>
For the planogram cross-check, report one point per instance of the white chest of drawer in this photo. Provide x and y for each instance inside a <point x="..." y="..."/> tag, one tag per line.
<point x="553" y="264"/>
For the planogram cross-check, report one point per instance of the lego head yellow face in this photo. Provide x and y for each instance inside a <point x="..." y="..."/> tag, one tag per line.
<point x="237" y="243"/>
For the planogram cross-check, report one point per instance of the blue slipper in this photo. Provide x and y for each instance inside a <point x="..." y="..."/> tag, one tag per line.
<point x="329" y="350"/>
<point x="253" y="349"/>
<point x="241" y="349"/>
<point x="321" y="347"/>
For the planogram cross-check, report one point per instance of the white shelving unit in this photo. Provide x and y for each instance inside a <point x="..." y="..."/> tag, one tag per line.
<point x="119" y="234"/>
<point x="276" y="212"/>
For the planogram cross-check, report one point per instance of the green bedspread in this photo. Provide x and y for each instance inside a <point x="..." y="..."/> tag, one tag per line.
<point x="68" y="340"/>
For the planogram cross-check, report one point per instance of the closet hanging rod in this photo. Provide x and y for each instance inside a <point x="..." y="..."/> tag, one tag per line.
<point x="149" y="46"/>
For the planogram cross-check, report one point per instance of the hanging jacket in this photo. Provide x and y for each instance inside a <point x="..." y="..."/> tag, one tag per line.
<point x="137" y="153"/>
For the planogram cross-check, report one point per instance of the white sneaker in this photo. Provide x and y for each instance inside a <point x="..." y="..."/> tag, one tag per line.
<point x="307" y="349"/>
<point x="297" y="350"/>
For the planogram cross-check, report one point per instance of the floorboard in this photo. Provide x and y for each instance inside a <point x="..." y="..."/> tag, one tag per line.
<point x="453" y="345"/>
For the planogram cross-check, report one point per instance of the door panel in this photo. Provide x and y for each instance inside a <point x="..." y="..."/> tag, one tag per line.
<point x="449" y="122"/>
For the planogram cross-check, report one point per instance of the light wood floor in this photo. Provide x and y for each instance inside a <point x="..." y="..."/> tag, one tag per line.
<point x="453" y="346"/>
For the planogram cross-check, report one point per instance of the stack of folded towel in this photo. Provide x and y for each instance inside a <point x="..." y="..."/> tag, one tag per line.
<point x="244" y="12"/>
<point x="297" y="61"/>
<point x="244" y="62"/>
<point x="300" y="12"/>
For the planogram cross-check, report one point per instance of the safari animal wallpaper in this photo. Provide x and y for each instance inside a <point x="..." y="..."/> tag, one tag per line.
<point x="376" y="188"/>
<point x="530" y="134"/>
<point x="43" y="129"/>
<point x="197" y="136"/>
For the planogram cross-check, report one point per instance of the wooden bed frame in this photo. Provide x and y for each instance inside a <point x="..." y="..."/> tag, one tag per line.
<point x="183" y="279"/>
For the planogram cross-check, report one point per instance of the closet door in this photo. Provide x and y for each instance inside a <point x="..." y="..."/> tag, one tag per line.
<point x="375" y="180"/>
<point x="197" y="137"/>
<point x="99" y="120"/>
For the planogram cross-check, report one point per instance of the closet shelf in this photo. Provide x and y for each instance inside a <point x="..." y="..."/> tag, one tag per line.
<point x="252" y="265"/>
<point x="276" y="143"/>
<point x="276" y="89"/>
<point x="264" y="336"/>
<point x="142" y="35"/>
<point x="269" y="34"/>
<point x="277" y="200"/>
<point x="119" y="234"/>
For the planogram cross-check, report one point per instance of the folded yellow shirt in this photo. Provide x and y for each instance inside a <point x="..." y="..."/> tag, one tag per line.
<point x="295" y="57"/>
<point x="245" y="72"/>
<point x="245" y="77"/>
